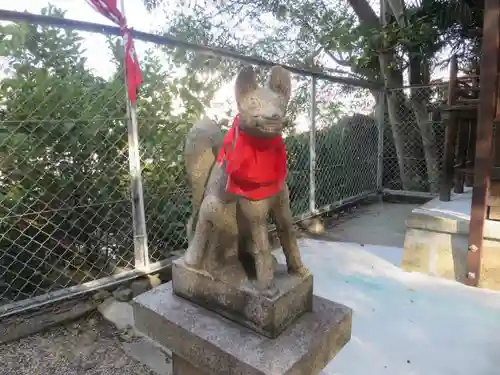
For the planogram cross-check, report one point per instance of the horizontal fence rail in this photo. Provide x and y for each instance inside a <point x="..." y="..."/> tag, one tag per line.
<point x="66" y="209"/>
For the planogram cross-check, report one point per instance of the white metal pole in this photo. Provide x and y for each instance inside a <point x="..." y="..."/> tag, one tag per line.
<point x="137" y="192"/>
<point x="380" y="118"/>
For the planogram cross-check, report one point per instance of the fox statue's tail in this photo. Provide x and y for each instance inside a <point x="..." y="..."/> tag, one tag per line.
<point x="200" y="152"/>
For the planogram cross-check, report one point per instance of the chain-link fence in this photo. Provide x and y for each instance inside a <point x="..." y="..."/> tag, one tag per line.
<point x="346" y="145"/>
<point x="65" y="208"/>
<point x="64" y="181"/>
<point x="414" y="138"/>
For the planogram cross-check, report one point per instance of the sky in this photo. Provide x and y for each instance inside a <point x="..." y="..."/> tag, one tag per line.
<point x="137" y="17"/>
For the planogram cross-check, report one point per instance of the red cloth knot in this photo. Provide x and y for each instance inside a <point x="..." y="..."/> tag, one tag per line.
<point x="256" y="166"/>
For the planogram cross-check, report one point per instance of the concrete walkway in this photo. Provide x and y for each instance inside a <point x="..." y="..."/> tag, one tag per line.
<point x="404" y="323"/>
<point x="380" y="223"/>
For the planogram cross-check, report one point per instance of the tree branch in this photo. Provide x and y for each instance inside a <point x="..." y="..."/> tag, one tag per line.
<point x="338" y="60"/>
<point x="365" y="13"/>
<point x="397" y="9"/>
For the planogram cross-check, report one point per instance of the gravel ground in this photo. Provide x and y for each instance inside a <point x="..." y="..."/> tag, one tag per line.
<point x="90" y="346"/>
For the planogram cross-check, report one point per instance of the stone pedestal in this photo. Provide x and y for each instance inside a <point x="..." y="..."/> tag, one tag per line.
<point x="242" y="303"/>
<point x="436" y="241"/>
<point x="204" y="342"/>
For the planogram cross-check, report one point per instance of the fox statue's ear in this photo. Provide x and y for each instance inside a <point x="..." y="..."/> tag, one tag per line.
<point x="246" y="82"/>
<point x="281" y="82"/>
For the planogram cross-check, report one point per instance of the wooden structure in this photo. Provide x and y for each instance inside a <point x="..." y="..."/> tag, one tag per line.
<point x="461" y="125"/>
<point x="469" y="158"/>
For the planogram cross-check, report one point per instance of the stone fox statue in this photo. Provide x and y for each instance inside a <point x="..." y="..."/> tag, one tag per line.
<point x="236" y="182"/>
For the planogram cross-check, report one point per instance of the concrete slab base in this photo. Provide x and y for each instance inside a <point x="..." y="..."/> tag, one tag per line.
<point x="144" y="351"/>
<point x="182" y="367"/>
<point x="436" y="241"/>
<point x="207" y="343"/>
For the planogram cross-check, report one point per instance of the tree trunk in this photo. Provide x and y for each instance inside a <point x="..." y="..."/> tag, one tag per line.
<point x="419" y="76"/>
<point x="402" y="133"/>
<point x="428" y="142"/>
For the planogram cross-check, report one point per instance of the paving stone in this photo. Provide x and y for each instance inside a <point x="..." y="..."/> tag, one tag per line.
<point x="123" y="295"/>
<point x="118" y="313"/>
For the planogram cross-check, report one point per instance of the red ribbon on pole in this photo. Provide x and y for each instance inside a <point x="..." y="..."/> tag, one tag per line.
<point x="109" y="9"/>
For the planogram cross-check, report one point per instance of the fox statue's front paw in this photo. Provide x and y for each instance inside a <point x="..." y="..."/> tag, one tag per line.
<point x="299" y="270"/>
<point x="191" y="259"/>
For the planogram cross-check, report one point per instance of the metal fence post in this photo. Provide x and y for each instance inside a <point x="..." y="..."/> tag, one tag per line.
<point x="312" y="149"/>
<point x="380" y="118"/>
<point x="136" y="190"/>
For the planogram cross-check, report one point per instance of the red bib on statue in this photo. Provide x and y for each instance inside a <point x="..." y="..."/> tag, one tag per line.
<point x="256" y="167"/>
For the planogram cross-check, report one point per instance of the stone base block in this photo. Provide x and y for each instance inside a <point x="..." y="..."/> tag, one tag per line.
<point x="182" y="367"/>
<point x="242" y="303"/>
<point x="445" y="255"/>
<point x="206" y="343"/>
<point x="436" y="242"/>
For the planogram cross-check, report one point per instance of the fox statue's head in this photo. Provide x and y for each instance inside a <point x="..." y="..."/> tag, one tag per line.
<point x="262" y="109"/>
